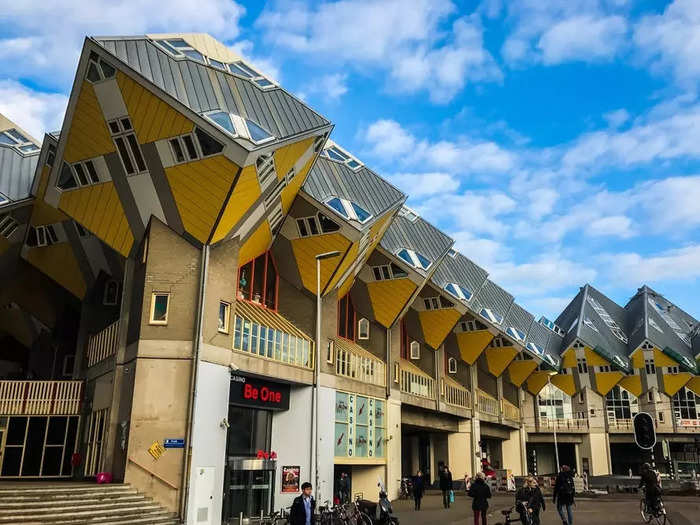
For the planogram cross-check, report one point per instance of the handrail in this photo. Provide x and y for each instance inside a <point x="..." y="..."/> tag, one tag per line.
<point x="160" y="478"/>
<point x="510" y="411"/>
<point x="457" y="396"/>
<point x="563" y="424"/>
<point x="103" y="344"/>
<point x="355" y="365"/>
<point x="417" y="384"/>
<point x="50" y="398"/>
<point x="487" y="404"/>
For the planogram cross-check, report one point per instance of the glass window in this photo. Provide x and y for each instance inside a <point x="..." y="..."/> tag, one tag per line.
<point x="346" y="318"/>
<point x="92" y="172"/>
<point x="177" y="150"/>
<point x="263" y="82"/>
<point x="224" y="314"/>
<point x="178" y="43"/>
<point x="217" y="64"/>
<point x="159" y="308"/>
<point x="223" y="120"/>
<point x="209" y="145"/>
<point x="363" y="329"/>
<point x="5" y="139"/>
<point x="262" y="273"/>
<point x="253" y="431"/>
<point x="257" y="133"/>
<point x="327" y="225"/>
<point x="29" y="148"/>
<point x="107" y="70"/>
<point x="66" y="180"/>
<point x="238" y="69"/>
<point x="362" y="214"/>
<point x="189" y="147"/>
<point x="337" y="205"/>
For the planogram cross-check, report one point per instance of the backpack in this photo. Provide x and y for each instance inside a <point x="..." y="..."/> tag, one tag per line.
<point x="567" y="488"/>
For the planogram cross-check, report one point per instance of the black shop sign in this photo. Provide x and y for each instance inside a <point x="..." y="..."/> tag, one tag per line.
<point x="259" y="393"/>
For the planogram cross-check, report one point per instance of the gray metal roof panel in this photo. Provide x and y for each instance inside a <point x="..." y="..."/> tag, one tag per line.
<point x="189" y="82"/>
<point x="553" y="350"/>
<point x="495" y="298"/>
<point x="16" y="173"/>
<point x="417" y="235"/>
<point x="636" y="328"/>
<point x="364" y="187"/>
<point x="462" y="271"/>
<point x="538" y="335"/>
<point x="595" y="333"/>
<point x="571" y="314"/>
<point x="520" y="319"/>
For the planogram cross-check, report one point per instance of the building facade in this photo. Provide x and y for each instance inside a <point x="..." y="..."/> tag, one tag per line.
<point x="206" y="296"/>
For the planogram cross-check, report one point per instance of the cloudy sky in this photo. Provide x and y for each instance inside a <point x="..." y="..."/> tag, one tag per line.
<point x="558" y="142"/>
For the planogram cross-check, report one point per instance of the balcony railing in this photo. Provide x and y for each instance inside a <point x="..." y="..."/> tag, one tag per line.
<point x="687" y="424"/>
<point x="40" y="398"/>
<point x="416" y="383"/>
<point x="457" y="396"/>
<point x="487" y="404"/>
<point x="359" y="365"/>
<point x="546" y="423"/>
<point x="103" y="344"/>
<point x="510" y="411"/>
<point x="621" y="424"/>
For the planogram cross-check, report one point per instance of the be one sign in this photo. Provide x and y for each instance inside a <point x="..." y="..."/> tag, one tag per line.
<point x="259" y="393"/>
<point x="264" y="394"/>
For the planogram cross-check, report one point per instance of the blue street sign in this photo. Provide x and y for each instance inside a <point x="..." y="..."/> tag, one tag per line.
<point x="174" y="443"/>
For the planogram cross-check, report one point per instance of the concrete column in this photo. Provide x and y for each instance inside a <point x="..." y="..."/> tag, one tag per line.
<point x="577" y="451"/>
<point x="459" y="450"/>
<point x="475" y="428"/>
<point x="394" y="447"/>
<point x="523" y="450"/>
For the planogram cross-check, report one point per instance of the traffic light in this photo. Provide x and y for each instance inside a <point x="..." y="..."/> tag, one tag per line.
<point x="644" y="431"/>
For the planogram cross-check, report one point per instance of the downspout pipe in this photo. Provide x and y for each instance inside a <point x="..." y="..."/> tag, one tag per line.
<point x="199" y="320"/>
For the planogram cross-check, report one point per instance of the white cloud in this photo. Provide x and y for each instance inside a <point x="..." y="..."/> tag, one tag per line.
<point x="586" y="38"/>
<point x="330" y="87"/>
<point x="423" y="184"/>
<point x="42" y="40"/>
<point x="484" y="252"/>
<point x="618" y="226"/>
<point x="681" y="264"/>
<point x="415" y="46"/>
<point x="617" y="118"/>
<point x="670" y="205"/>
<point x="31" y="110"/>
<point x="671" y="40"/>
<point x="480" y="213"/>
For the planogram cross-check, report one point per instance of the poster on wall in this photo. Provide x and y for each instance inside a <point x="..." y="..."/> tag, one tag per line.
<point x="290" y="479"/>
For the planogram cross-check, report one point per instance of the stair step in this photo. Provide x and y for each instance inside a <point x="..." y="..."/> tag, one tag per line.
<point x="166" y="520"/>
<point x="73" y="509"/>
<point x="89" y="517"/>
<point x="63" y="502"/>
<point x="43" y="492"/>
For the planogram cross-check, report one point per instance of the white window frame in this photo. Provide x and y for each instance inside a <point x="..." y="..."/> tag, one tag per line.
<point x="106" y="290"/>
<point x="330" y="352"/>
<point x="100" y="72"/>
<point x="516" y="334"/>
<point x="661" y="417"/>
<point x="582" y="365"/>
<point x="452" y="365"/>
<point x="408" y="213"/>
<point x="432" y="303"/>
<point x="414" y="350"/>
<point x="275" y="217"/>
<point x="18" y="144"/>
<point x="349" y="159"/>
<point x="673" y="369"/>
<point x="185" y="152"/>
<point x="604" y="368"/>
<point x="161" y="322"/>
<point x="124" y="134"/>
<point x="460" y="291"/>
<point x="266" y="170"/>
<point x="4" y="199"/>
<point x="489" y="315"/>
<point x="349" y="210"/>
<point x="225" y="329"/>
<point x="415" y="262"/>
<point x="360" y="323"/>
<point x="250" y="74"/>
<point x="607" y="319"/>
<point x="41" y="232"/>
<point x="650" y="366"/>
<point x="8" y="225"/>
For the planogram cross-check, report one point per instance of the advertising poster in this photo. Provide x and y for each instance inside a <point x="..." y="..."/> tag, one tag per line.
<point x="290" y="479"/>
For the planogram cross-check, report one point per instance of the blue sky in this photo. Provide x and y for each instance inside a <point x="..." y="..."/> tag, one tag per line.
<point x="558" y="142"/>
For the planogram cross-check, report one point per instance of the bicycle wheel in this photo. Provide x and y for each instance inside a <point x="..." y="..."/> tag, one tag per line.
<point x="364" y="519"/>
<point x="646" y="516"/>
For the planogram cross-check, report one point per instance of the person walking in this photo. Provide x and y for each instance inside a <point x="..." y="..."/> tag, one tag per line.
<point x="418" y="488"/>
<point x="563" y="497"/>
<point x="480" y="492"/>
<point x="536" y="501"/>
<point x="446" y="485"/>
<point x="303" y="507"/>
<point x="344" y="488"/>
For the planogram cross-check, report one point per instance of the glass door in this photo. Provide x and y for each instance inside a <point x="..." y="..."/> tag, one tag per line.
<point x="249" y="493"/>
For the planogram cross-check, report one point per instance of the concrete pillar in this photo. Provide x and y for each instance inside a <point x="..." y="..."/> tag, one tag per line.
<point x="523" y="450"/>
<point x="459" y="450"/>
<point x="577" y="451"/>
<point x="511" y="453"/>
<point x="394" y="447"/>
<point x="475" y="428"/>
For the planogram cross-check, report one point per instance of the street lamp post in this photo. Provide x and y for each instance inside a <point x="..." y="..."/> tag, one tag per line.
<point x="317" y="363"/>
<point x="556" y="446"/>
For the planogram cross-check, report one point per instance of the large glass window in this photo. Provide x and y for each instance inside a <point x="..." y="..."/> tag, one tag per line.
<point x="252" y="431"/>
<point x="620" y="404"/>
<point x="346" y="318"/>
<point x="360" y="426"/>
<point x="258" y="281"/>
<point x="554" y="403"/>
<point x="686" y="405"/>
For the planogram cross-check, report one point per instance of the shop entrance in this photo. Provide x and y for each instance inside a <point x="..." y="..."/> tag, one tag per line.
<point x="250" y="492"/>
<point x="415" y="454"/>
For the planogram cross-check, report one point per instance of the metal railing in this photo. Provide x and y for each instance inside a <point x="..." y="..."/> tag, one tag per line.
<point x="546" y="423"/>
<point x="510" y="411"/>
<point x="41" y="398"/>
<point x="103" y="344"/>
<point x="621" y="424"/>
<point x="457" y="396"/>
<point x="487" y="404"/>
<point x="417" y="384"/>
<point x="360" y="367"/>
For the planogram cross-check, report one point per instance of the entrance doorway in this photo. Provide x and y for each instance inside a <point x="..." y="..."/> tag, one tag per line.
<point x="342" y="483"/>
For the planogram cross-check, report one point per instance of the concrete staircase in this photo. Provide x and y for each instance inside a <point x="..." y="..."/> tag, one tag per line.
<point x="78" y="504"/>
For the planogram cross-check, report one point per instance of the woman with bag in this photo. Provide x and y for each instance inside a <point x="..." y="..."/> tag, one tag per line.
<point x="446" y="486"/>
<point x="480" y="492"/>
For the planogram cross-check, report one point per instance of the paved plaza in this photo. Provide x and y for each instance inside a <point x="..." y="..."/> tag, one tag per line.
<point x="617" y="509"/>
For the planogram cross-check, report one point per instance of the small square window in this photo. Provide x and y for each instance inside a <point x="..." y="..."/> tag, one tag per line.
<point x="452" y="365"/>
<point x="111" y="293"/>
<point x="160" y="303"/>
<point x="363" y="329"/>
<point x="661" y="417"/>
<point x="330" y="357"/>
<point x="224" y="315"/>
<point x="415" y="350"/>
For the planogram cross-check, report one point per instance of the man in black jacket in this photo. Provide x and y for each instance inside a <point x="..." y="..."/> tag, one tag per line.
<point x="564" y="492"/>
<point x="650" y="481"/>
<point x="303" y="507"/>
<point x="446" y="485"/>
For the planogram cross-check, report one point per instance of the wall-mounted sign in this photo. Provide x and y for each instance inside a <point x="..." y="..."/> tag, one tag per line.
<point x="290" y="478"/>
<point x="156" y="450"/>
<point x="259" y="393"/>
<point x="174" y="443"/>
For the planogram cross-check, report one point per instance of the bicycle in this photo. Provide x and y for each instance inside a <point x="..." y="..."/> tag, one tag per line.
<point x="506" y="516"/>
<point x="655" y="516"/>
<point x="280" y="517"/>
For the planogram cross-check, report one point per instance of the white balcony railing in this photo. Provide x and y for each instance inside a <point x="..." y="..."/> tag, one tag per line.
<point x="103" y="344"/>
<point x="546" y="423"/>
<point x="41" y="398"/>
<point x="457" y="396"/>
<point x="621" y="424"/>
<point x="418" y="384"/>
<point x="510" y="411"/>
<point x="487" y="405"/>
<point x="359" y="365"/>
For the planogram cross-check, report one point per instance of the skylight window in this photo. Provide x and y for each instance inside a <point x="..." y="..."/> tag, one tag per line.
<point x="414" y="258"/>
<point x="3" y="199"/>
<point x="257" y="133"/>
<point x="609" y="321"/>
<point x="408" y="213"/>
<point x="535" y="348"/>
<point x="223" y="120"/>
<point x="654" y="325"/>
<point x="240" y="68"/>
<point x="349" y="210"/>
<point x="590" y="325"/>
<point x="236" y="126"/>
<point x="664" y="312"/>
<point x="15" y="139"/>
<point x="549" y="324"/>
<point x="516" y="334"/>
<point x="452" y="253"/>
<point x="459" y="291"/>
<point x="337" y="154"/>
<point x="179" y="48"/>
<point x="492" y="316"/>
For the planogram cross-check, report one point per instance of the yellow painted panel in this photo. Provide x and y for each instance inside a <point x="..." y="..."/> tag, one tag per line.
<point x="244" y="195"/>
<point x="389" y="297"/>
<point x="346" y="263"/>
<point x="674" y="382"/>
<point x="633" y="384"/>
<point x="152" y="118"/>
<point x="200" y="189"/>
<point x="59" y="263"/>
<point x="565" y="383"/>
<point x="569" y="358"/>
<point x="305" y="251"/>
<point x="88" y="135"/>
<point x="472" y="344"/>
<point x="257" y="244"/>
<point x="605" y="381"/>
<point x="498" y="359"/>
<point x="437" y="324"/>
<point x="593" y="359"/>
<point x="99" y="210"/>
<point x="536" y="382"/>
<point x="520" y="370"/>
<point x="661" y="359"/>
<point x="287" y="156"/>
<point x="345" y="287"/>
<point x="290" y="191"/>
<point x="637" y="358"/>
<point x="694" y="385"/>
